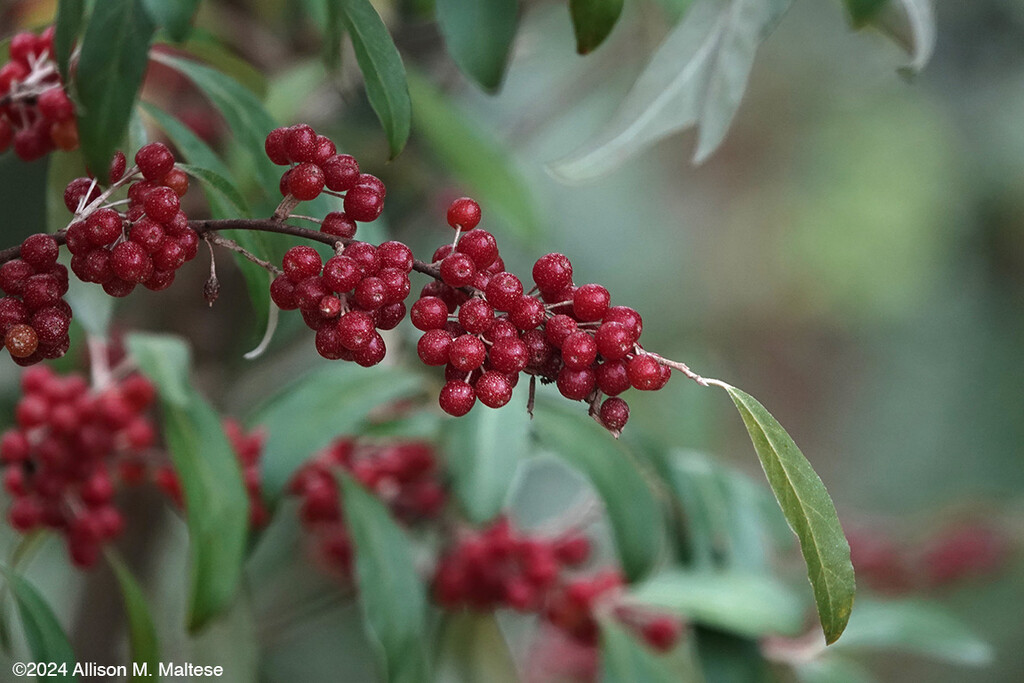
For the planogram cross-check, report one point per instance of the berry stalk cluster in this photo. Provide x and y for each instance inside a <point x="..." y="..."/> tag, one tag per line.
<point x="61" y="462"/>
<point x="36" y="115"/>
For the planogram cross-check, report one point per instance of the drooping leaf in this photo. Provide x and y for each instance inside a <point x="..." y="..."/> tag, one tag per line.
<point x="113" y="60"/>
<point x="472" y="648"/>
<point x="475" y="159"/>
<point x="391" y="592"/>
<point x="308" y="414"/>
<point x="142" y="635"/>
<point x="809" y="511"/>
<point x="593" y="20"/>
<point x="696" y="78"/>
<point x="46" y="639"/>
<point x="220" y="185"/>
<point x="483" y="450"/>
<point x="624" y="660"/>
<point x="911" y="23"/>
<point x="216" y="502"/>
<point x="174" y="16"/>
<point x="629" y="502"/>
<point x="242" y="110"/>
<point x="745" y="603"/>
<point x="915" y="625"/>
<point x="333" y="30"/>
<point x="478" y="34"/>
<point x="67" y="25"/>
<point x="727" y="657"/>
<point x="383" y="71"/>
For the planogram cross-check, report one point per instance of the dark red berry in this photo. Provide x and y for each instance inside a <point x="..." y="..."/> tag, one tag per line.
<point x="342" y="273"/>
<point x="612" y="378"/>
<point x="356" y="330"/>
<point x="614" y="340"/>
<point x="467" y="353"/>
<point x="433" y="346"/>
<point x="476" y="316"/>
<point x="363" y="203"/>
<point x="148" y="234"/>
<point x="301" y="262"/>
<point x="301" y="143"/>
<point x="429" y="313"/>
<point x="578" y="350"/>
<point x="590" y="302"/>
<point x="154" y="160"/>
<point x="558" y="327"/>
<point x="40" y="251"/>
<point x="480" y="246"/>
<point x="338" y="224"/>
<point x="276" y="146"/>
<point x="644" y="372"/>
<point x="341" y="172"/>
<point x="162" y="204"/>
<point x="306" y="182"/>
<point x="457" y="270"/>
<point x="493" y="389"/>
<point x="457" y="397"/>
<point x="614" y="414"/>
<point x="130" y="262"/>
<point x="395" y="255"/>
<point x="371" y="293"/>
<point x="527" y="314"/>
<point x="576" y="384"/>
<point x="628" y="317"/>
<point x="552" y="272"/>
<point x="103" y="227"/>
<point x="464" y="213"/>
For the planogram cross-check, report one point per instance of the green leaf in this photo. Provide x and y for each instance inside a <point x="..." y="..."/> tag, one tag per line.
<point x="832" y="669"/>
<point x="243" y="111"/>
<point x="220" y="185"/>
<point x="46" y="639"/>
<point x="391" y="592"/>
<point x="145" y="645"/>
<point x="383" y="71"/>
<point x="809" y="511"/>
<point x="483" y="451"/>
<point x="726" y="657"/>
<point x="695" y="78"/>
<point x="743" y="603"/>
<point x="473" y="156"/>
<point x="333" y="31"/>
<point x="68" y="24"/>
<point x="914" y="625"/>
<point x="593" y="20"/>
<point x="216" y="501"/>
<point x="624" y="660"/>
<point x="629" y="502"/>
<point x="472" y="648"/>
<point x="113" y="61"/>
<point x="326" y="403"/>
<point x="911" y="23"/>
<point x="174" y="16"/>
<point x="478" y="34"/>
<point x="863" y="11"/>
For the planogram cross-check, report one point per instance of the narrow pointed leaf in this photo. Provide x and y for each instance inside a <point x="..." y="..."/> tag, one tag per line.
<point x="472" y="648"/>
<point x="46" y="639"/>
<point x="174" y="16"/>
<point x="142" y="636"/>
<point x="383" y="71"/>
<point x="809" y="511"/>
<point x="220" y="185"/>
<point x="696" y="78"/>
<point x="629" y="502"/>
<point x="911" y="23"/>
<point x="863" y="11"/>
<point x="68" y="26"/>
<point x="216" y="502"/>
<point x="478" y="34"/>
<point x="483" y="451"/>
<point x="115" y="53"/>
<point x="391" y="592"/>
<point x="593" y="20"/>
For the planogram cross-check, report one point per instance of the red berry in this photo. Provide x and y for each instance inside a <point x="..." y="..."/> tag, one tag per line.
<point x="576" y="384"/>
<point x="612" y="378"/>
<point x="276" y="146"/>
<point x="118" y="288"/>
<point x="614" y="340"/>
<point x="177" y="181"/>
<point x="628" y="317"/>
<point x="40" y="251"/>
<point x="154" y="160"/>
<point x="103" y="227"/>
<point x="148" y="234"/>
<point x="457" y="397"/>
<point x="162" y="204"/>
<point x="80" y="190"/>
<point x="170" y="255"/>
<point x="13" y="275"/>
<point x="467" y="353"/>
<point x="55" y="105"/>
<point x="433" y="346"/>
<point x="480" y="246"/>
<point x="372" y="182"/>
<point x="301" y="143"/>
<point x="118" y="165"/>
<point x="614" y="414"/>
<point x="464" y="213"/>
<point x="301" y="262"/>
<point x="356" y="330"/>
<point x="509" y="356"/>
<point x="527" y="314"/>
<point x="504" y="291"/>
<point x="338" y="224"/>
<point x="282" y="293"/>
<point x="457" y="270"/>
<point x="493" y="389"/>
<point x="309" y="292"/>
<point x="390" y="315"/>
<point x="429" y="313"/>
<point x="552" y="273"/>
<point x="578" y="350"/>
<point x="306" y="182"/>
<point x="396" y="284"/>
<point x="342" y="273"/>
<point x="363" y="203"/>
<point x="372" y="353"/>
<point x="395" y="255"/>
<point x="341" y="172"/>
<point x="324" y="150"/>
<point x="371" y="293"/>
<point x="130" y="262"/>
<point x="365" y="255"/>
<point x="558" y="327"/>
<point x="476" y="316"/>
<point x="644" y="372"/>
<point x="662" y="633"/>
<point x="21" y="341"/>
<point x="590" y="302"/>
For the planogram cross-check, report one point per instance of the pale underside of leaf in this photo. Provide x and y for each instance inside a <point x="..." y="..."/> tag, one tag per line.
<point x="696" y="78"/>
<point x="912" y="25"/>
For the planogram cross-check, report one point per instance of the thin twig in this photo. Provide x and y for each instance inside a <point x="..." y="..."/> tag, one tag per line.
<point x="213" y="238"/>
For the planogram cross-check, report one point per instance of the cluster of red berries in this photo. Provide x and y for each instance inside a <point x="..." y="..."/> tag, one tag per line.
<point x="34" y="318"/>
<point x="346" y="300"/>
<point x="248" y="449"/>
<point x="36" y="115"/>
<point x="573" y="605"/>
<point x="952" y="555"/>
<point x="479" y="323"/>
<point x="500" y="566"/>
<point x="314" y="167"/>
<point x="403" y="475"/>
<point x="61" y="459"/>
<point x="146" y="243"/>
